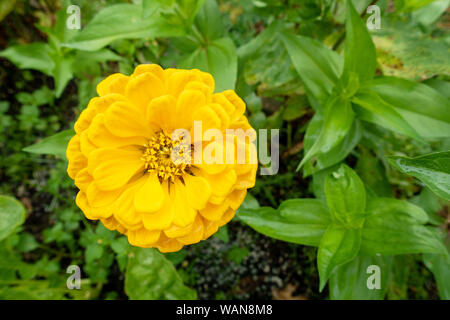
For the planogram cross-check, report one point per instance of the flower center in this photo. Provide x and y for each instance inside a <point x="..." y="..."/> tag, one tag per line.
<point x="169" y="158"/>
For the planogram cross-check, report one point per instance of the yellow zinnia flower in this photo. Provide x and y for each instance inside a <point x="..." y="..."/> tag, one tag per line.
<point x="120" y="157"/>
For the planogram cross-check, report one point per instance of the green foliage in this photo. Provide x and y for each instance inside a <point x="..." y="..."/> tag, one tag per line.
<point x="55" y="144"/>
<point x="433" y="169"/>
<point x="12" y="215"/>
<point x="151" y="276"/>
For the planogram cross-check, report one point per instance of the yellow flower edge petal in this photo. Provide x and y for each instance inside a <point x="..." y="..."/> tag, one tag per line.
<point x="121" y="157"/>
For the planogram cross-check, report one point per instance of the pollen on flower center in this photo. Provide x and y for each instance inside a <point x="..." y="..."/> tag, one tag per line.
<point x="169" y="158"/>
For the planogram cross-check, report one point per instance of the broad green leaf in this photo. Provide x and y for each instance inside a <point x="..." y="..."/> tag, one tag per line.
<point x="62" y="73"/>
<point x="150" y="276"/>
<point x="397" y="227"/>
<point x="443" y="87"/>
<point x="265" y="63"/>
<point x="209" y="21"/>
<point x="405" y="51"/>
<point x="338" y="120"/>
<point x="350" y="281"/>
<point x="6" y="6"/>
<point x="121" y="21"/>
<point x="301" y="221"/>
<point x="12" y="215"/>
<point x="339" y="245"/>
<point x="318" y="66"/>
<point x="432" y="169"/>
<point x="218" y="58"/>
<point x="370" y="107"/>
<point x="373" y="174"/>
<point x="424" y="108"/>
<point x="337" y="153"/>
<point x="432" y="205"/>
<point x="439" y="264"/>
<point x="411" y="5"/>
<point x="34" y="56"/>
<point x="56" y="144"/>
<point x="431" y="12"/>
<point x="346" y="196"/>
<point x="360" y="54"/>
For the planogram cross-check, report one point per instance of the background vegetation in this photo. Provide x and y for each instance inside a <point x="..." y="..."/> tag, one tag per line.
<point x="285" y="58"/>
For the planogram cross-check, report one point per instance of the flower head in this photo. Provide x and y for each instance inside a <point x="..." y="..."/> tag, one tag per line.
<point x="156" y="156"/>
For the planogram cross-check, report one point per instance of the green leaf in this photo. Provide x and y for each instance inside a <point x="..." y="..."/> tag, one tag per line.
<point x="397" y="227"/>
<point x="431" y="12"/>
<point x="432" y="169"/>
<point x="237" y="254"/>
<point x="339" y="245"/>
<point x="301" y="221"/>
<point x="439" y="264"/>
<point x="222" y="234"/>
<point x="318" y="66"/>
<point x="346" y="196"/>
<point x="360" y="54"/>
<point x="34" y="56"/>
<point x="410" y="98"/>
<point x="218" y="58"/>
<point x="56" y="144"/>
<point x="338" y="121"/>
<point x="94" y="251"/>
<point x="209" y="20"/>
<point x="370" y="107"/>
<point x="12" y="215"/>
<point x="337" y="153"/>
<point x="121" y="21"/>
<point x="349" y="281"/>
<point x="150" y="276"/>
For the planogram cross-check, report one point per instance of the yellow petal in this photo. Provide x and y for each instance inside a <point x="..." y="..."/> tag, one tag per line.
<point x="83" y="179"/>
<point x="116" y="167"/>
<point x="177" y="81"/>
<point x="86" y="145"/>
<point x="162" y="218"/>
<point x="112" y="224"/>
<point x="84" y="120"/>
<point x="143" y="88"/>
<point x="124" y="120"/>
<point x="188" y="102"/>
<point x="236" y="198"/>
<point x="209" y="228"/>
<point x="125" y="211"/>
<point x="221" y="183"/>
<point x="208" y="119"/>
<point x="184" y="213"/>
<point x="103" y="212"/>
<point x="100" y="136"/>
<point x="114" y="83"/>
<point x="166" y="244"/>
<point x="77" y="161"/>
<point x="214" y="212"/>
<point x="100" y="198"/>
<point x="143" y="238"/>
<point x="161" y="112"/>
<point x="197" y="190"/>
<point x="152" y="68"/>
<point x="82" y="203"/>
<point x="238" y="103"/>
<point x="174" y="231"/>
<point x="200" y="86"/>
<point x="150" y="197"/>
<point x="228" y="215"/>
<point x="195" y="235"/>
